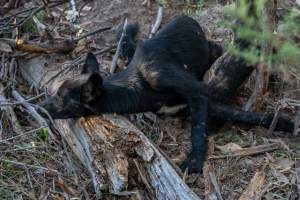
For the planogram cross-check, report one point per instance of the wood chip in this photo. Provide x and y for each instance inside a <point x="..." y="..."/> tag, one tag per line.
<point x="254" y="186"/>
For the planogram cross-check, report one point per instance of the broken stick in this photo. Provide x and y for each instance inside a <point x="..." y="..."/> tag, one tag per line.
<point x="250" y="151"/>
<point x="158" y="20"/>
<point x="116" y="56"/>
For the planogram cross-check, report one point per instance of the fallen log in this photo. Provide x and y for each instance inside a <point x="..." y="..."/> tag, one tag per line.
<point x="105" y="143"/>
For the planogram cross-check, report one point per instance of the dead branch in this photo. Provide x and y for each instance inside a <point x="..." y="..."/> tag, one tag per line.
<point x="210" y="193"/>
<point x="260" y="87"/>
<point x="73" y="14"/>
<point x="158" y="20"/>
<point x="31" y="110"/>
<point x="32" y="11"/>
<point x="274" y="120"/>
<point x="29" y="166"/>
<point x="64" y="46"/>
<point x="22" y="134"/>
<point x="250" y="151"/>
<point x="69" y="67"/>
<point x="117" y="54"/>
<point x="214" y="182"/>
<point x="99" y="30"/>
<point x="7" y="6"/>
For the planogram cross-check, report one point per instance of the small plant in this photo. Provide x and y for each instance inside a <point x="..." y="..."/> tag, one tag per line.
<point x="30" y="26"/>
<point x="195" y="9"/>
<point x="44" y="135"/>
<point x="253" y="29"/>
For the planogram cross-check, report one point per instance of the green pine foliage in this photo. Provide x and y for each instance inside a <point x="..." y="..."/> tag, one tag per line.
<point x="253" y="28"/>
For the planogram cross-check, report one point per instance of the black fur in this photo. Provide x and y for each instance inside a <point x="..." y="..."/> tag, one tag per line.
<point x="165" y="70"/>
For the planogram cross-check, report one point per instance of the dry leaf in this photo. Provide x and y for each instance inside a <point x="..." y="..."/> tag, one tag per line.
<point x="67" y="189"/>
<point x="32" y="195"/>
<point x="284" y="164"/>
<point x="229" y="148"/>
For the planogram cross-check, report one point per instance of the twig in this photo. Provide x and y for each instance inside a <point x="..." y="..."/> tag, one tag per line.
<point x="64" y="46"/>
<point x="250" y="151"/>
<point x="29" y="166"/>
<point x="32" y="111"/>
<point x="274" y="120"/>
<point x="263" y="191"/>
<point x="74" y="63"/>
<point x="73" y="13"/>
<point x="35" y="10"/>
<point x="210" y="193"/>
<point x="65" y="69"/>
<point x="214" y="182"/>
<point x="143" y="175"/>
<point x="116" y="56"/>
<point x="21" y="148"/>
<point x="26" y="133"/>
<point x="14" y="103"/>
<point x="1" y="125"/>
<point x="157" y="21"/>
<point x="146" y="2"/>
<point x="107" y="49"/>
<point x="99" y="30"/>
<point x="259" y="89"/>
<point x="297" y="123"/>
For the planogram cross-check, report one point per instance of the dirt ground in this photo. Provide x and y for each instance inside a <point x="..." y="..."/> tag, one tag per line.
<point x="171" y="134"/>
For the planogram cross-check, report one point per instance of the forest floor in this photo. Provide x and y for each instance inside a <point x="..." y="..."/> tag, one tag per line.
<point x="32" y="168"/>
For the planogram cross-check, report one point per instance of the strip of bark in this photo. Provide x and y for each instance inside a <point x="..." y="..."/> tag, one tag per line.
<point x="254" y="186"/>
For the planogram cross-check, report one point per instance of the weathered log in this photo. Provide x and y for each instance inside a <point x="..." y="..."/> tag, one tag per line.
<point x="103" y="144"/>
